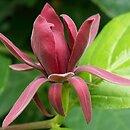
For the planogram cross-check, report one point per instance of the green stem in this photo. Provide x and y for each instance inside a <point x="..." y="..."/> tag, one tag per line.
<point x="29" y="126"/>
<point x="65" y="97"/>
<point x="55" y="122"/>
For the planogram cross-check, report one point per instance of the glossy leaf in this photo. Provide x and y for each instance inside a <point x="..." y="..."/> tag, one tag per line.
<point x="4" y="72"/>
<point x="111" y="51"/>
<point x="101" y="120"/>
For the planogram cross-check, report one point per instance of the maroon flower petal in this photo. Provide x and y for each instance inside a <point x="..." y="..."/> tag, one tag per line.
<point x="43" y="45"/>
<point x="94" y="27"/>
<point x="104" y="75"/>
<point x="55" y="97"/>
<point x="23" y="100"/>
<point x="50" y="15"/>
<point x="86" y="34"/>
<point x="71" y="29"/>
<point x="21" y="67"/>
<point x="40" y="106"/>
<point x="17" y="53"/>
<point x="62" y="50"/>
<point x="84" y="96"/>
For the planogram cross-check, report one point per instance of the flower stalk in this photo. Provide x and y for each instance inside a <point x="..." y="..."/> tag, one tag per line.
<point x="30" y="126"/>
<point x="52" y="123"/>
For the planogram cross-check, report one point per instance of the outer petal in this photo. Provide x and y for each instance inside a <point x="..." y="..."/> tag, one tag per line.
<point x="43" y="45"/>
<point x="17" y="53"/>
<point x="21" y="67"/>
<point x="40" y="106"/>
<point x="104" y="75"/>
<point x="71" y="29"/>
<point x="84" y="96"/>
<point x="86" y="34"/>
<point x="94" y="27"/>
<point x="55" y="97"/>
<point x="61" y="46"/>
<point x="23" y="100"/>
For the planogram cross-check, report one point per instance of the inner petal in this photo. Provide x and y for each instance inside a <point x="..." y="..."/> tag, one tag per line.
<point x="60" y="77"/>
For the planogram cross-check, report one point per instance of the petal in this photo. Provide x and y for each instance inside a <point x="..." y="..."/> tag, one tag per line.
<point x="71" y="29"/>
<point x="62" y="50"/>
<point x="40" y="106"/>
<point x="21" y="67"/>
<point x="17" y="53"/>
<point x="43" y="45"/>
<point x="60" y="77"/>
<point x="84" y="96"/>
<point x="104" y="75"/>
<point x="50" y="15"/>
<point x="94" y="27"/>
<point x="85" y="35"/>
<point x="23" y="100"/>
<point x="55" y="97"/>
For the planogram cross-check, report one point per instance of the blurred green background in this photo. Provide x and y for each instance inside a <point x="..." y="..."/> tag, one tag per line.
<point x="16" y="21"/>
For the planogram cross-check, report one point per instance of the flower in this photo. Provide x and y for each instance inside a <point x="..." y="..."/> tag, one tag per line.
<point x="57" y="61"/>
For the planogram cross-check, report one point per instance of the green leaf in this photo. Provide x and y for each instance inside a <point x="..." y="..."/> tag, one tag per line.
<point x="113" y="7"/>
<point x="4" y="72"/>
<point x="101" y="120"/>
<point x="111" y="51"/>
<point x="60" y="129"/>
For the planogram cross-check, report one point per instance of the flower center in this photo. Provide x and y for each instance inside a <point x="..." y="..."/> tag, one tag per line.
<point x="60" y="77"/>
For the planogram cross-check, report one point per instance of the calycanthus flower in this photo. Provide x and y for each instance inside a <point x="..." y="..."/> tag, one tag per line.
<point x="57" y="61"/>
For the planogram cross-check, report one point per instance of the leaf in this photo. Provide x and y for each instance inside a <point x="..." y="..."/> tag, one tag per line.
<point x="4" y="72"/>
<point x="113" y="8"/>
<point x="60" y="129"/>
<point x="111" y="51"/>
<point x="101" y="120"/>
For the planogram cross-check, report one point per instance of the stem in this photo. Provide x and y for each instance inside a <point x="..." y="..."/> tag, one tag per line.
<point x="65" y="97"/>
<point x="30" y="126"/>
<point x="52" y="123"/>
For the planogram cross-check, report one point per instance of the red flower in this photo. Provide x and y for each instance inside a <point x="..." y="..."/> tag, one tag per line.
<point x="57" y="61"/>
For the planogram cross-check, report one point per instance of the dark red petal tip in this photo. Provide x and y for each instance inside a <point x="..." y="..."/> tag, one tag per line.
<point x="71" y="29"/>
<point x="106" y="75"/>
<point x="55" y="97"/>
<point x="84" y="96"/>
